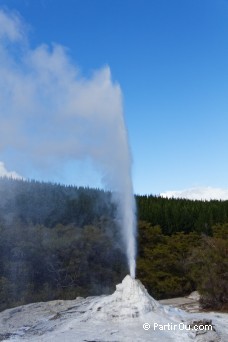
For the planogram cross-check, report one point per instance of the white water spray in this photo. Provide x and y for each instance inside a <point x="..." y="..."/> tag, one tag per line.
<point x="129" y="227"/>
<point x="50" y="114"/>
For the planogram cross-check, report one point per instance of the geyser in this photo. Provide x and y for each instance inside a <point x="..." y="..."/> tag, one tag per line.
<point x="51" y="115"/>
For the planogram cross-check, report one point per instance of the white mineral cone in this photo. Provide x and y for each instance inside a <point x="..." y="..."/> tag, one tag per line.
<point x="130" y="299"/>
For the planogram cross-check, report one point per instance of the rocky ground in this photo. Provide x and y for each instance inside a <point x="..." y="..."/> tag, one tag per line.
<point x="129" y="314"/>
<point x="189" y="304"/>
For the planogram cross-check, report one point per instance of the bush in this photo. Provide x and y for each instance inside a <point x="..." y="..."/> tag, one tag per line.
<point x="210" y="272"/>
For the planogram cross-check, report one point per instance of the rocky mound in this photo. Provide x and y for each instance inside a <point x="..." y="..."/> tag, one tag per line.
<point x="130" y="300"/>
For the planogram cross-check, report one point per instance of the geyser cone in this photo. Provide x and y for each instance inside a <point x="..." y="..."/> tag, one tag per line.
<point x="130" y="300"/>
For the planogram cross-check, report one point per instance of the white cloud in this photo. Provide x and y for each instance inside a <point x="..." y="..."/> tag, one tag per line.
<point x="11" y="27"/>
<point x="198" y="193"/>
<point x="9" y="174"/>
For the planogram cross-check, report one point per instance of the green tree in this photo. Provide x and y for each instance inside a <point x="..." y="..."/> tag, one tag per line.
<point x="210" y="270"/>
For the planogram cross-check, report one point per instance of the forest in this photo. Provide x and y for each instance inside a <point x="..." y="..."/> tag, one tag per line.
<point x="60" y="242"/>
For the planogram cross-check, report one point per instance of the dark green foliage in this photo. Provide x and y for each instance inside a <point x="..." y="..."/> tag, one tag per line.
<point x="175" y="265"/>
<point x="162" y="263"/>
<point x="209" y="268"/>
<point x="177" y="215"/>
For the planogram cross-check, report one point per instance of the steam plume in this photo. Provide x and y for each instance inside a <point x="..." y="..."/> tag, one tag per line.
<point x="9" y="174"/>
<point x="50" y="113"/>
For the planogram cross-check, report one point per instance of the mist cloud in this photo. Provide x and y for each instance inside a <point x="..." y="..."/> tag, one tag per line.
<point x="11" y="27"/>
<point x="9" y="174"/>
<point x="50" y="113"/>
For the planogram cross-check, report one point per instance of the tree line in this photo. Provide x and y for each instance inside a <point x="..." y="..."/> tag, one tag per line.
<point x="182" y="215"/>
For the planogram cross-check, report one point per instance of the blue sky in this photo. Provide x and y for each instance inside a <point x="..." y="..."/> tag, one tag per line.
<point x="170" y="59"/>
